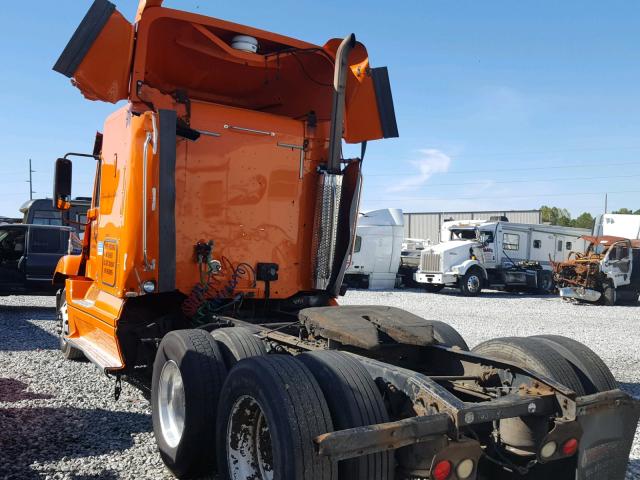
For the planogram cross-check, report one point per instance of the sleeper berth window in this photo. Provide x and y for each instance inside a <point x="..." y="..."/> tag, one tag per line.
<point x="511" y="241"/>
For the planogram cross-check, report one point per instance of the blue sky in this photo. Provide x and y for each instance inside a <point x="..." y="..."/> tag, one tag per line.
<point x="500" y="104"/>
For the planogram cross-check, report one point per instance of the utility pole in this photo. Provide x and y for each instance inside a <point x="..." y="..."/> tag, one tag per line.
<point x="605" y="203"/>
<point x="31" y="171"/>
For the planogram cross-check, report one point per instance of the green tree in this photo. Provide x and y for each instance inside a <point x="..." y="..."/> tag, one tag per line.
<point x="626" y="211"/>
<point x="555" y="215"/>
<point x="585" y="220"/>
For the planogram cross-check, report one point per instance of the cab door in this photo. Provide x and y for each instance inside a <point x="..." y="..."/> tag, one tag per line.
<point x="45" y="247"/>
<point x="12" y="257"/>
<point x="618" y="262"/>
<point x="489" y="248"/>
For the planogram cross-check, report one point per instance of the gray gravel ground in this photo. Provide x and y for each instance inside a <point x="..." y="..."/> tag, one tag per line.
<point x="58" y="419"/>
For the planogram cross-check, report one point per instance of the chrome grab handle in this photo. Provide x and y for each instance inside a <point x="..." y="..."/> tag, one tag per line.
<point x="155" y="133"/>
<point x="296" y="147"/>
<point x="250" y="130"/>
<point x="208" y="133"/>
<point x="152" y="137"/>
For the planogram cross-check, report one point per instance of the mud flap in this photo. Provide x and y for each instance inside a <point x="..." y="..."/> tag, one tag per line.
<point x="609" y="421"/>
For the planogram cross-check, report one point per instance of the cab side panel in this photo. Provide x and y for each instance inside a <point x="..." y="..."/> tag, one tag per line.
<point x="96" y="300"/>
<point x="248" y="191"/>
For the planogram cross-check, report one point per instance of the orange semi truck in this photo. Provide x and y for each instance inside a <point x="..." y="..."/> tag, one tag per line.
<point x="222" y="221"/>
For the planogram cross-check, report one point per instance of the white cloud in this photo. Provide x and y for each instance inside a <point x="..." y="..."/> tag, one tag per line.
<point x="431" y="161"/>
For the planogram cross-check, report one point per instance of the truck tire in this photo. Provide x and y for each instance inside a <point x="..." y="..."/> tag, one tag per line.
<point x="594" y="374"/>
<point x="545" y="281"/>
<point x="238" y="343"/>
<point x="609" y="296"/>
<point x="525" y="433"/>
<point x="354" y="401"/>
<point x="431" y="288"/>
<point x="448" y="336"/>
<point x="532" y="354"/>
<point x="270" y="411"/>
<point x="626" y="296"/>
<point x="188" y="373"/>
<point x="68" y="352"/>
<point x="471" y="282"/>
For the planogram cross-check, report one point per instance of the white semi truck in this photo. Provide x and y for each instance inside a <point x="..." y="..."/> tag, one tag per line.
<point x="376" y="253"/>
<point x="617" y="225"/>
<point x="497" y="255"/>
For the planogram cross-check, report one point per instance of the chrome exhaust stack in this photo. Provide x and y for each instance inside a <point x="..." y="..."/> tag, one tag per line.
<point x="329" y="189"/>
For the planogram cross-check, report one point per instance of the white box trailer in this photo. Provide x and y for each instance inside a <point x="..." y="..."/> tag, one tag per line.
<point x="617" y="225"/>
<point x="376" y="254"/>
<point x="497" y="255"/>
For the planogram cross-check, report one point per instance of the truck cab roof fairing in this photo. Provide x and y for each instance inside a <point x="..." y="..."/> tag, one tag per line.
<point x="185" y="55"/>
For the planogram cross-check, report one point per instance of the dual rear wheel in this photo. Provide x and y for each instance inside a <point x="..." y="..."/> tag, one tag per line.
<point x="258" y="418"/>
<point x="559" y="358"/>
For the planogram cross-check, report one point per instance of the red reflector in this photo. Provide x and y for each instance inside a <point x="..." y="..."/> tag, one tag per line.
<point x="442" y="470"/>
<point x="570" y="447"/>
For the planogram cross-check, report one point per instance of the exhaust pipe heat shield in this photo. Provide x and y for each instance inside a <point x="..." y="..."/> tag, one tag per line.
<point x="325" y="230"/>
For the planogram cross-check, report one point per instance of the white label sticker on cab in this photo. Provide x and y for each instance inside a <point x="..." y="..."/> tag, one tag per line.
<point x="100" y="248"/>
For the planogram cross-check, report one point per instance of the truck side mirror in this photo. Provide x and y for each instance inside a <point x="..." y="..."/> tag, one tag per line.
<point x="62" y="184"/>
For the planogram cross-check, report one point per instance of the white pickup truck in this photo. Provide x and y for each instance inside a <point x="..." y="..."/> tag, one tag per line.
<point x="497" y="255"/>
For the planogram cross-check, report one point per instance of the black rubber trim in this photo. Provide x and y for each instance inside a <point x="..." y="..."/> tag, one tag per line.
<point x="351" y="187"/>
<point x="84" y="36"/>
<point x="384" y="100"/>
<point x="167" y="202"/>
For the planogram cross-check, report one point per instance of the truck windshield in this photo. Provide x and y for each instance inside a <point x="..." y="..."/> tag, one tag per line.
<point x="463" y="234"/>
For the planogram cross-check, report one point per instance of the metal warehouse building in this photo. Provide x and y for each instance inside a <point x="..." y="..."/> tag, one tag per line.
<point x="426" y="225"/>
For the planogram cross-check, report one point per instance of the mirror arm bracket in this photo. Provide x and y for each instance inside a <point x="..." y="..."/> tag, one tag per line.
<point x="74" y="154"/>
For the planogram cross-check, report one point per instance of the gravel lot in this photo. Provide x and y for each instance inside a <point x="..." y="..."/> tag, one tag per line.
<point x="58" y="419"/>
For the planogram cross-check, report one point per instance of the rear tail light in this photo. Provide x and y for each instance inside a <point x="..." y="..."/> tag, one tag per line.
<point x="442" y="470"/>
<point x="549" y="449"/>
<point x="570" y="447"/>
<point x="465" y="468"/>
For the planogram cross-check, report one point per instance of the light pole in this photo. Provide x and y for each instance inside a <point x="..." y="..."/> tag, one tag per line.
<point x="31" y="171"/>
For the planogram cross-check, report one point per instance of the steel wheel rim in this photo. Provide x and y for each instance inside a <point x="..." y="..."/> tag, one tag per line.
<point x="473" y="283"/>
<point x="248" y="441"/>
<point x="64" y="323"/>
<point x="171" y="403"/>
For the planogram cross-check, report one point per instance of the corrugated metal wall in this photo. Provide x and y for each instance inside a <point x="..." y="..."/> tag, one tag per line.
<point x="426" y="225"/>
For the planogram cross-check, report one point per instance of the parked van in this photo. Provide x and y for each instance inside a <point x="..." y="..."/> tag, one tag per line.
<point x="29" y="255"/>
<point x="40" y="211"/>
